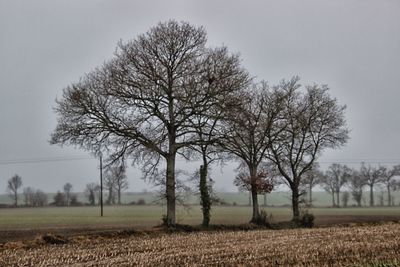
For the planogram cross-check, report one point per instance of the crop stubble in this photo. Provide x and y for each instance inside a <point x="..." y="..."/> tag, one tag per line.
<point x="331" y="246"/>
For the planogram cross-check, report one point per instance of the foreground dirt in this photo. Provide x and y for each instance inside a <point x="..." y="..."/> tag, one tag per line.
<point x="329" y="246"/>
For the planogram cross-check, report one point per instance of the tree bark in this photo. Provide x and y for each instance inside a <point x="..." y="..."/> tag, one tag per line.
<point x="205" y="194"/>
<point x="338" y="198"/>
<point x="295" y="203"/>
<point x="119" y="196"/>
<point x="254" y="196"/>
<point x="310" y="196"/>
<point x="170" y="189"/>
<point x="371" y="195"/>
<point x="389" y="196"/>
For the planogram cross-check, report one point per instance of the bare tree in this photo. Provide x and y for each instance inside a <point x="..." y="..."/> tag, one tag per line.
<point x="340" y="174"/>
<point x="116" y="176"/>
<point x="311" y="121"/>
<point x="110" y="185"/>
<point x="345" y="198"/>
<point x="40" y="199"/>
<point x="356" y="184"/>
<point x="29" y="195"/>
<point x="328" y="183"/>
<point x="247" y="132"/>
<point x="312" y="178"/>
<point x="141" y="102"/>
<point x="67" y="191"/>
<point x="387" y="179"/>
<point x="92" y="190"/>
<point x="371" y="177"/>
<point x="13" y="184"/>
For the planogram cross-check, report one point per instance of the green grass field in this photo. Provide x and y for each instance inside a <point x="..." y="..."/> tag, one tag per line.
<point x="149" y="215"/>
<point x="320" y="199"/>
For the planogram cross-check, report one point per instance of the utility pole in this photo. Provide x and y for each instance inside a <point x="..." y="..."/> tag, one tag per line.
<point x="101" y="185"/>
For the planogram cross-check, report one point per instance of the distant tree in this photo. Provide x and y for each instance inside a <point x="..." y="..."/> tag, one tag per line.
<point x="390" y="183"/>
<point x="116" y="177"/>
<point x="371" y="177"/>
<point x="310" y="122"/>
<point x="91" y="192"/>
<point x="67" y="191"/>
<point x="59" y="199"/>
<point x="339" y="174"/>
<point x="356" y="184"/>
<point x="29" y="195"/>
<point x="40" y="199"/>
<point x="345" y="198"/>
<point x="328" y="184"/>
<point x="110" y="185"/>
<point x="13" y="184"/>
<point x="312" y="178"/>
<point x="74" y="200"/>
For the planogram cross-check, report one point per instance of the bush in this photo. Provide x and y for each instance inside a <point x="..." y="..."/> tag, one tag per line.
<point x="307" y="220"/>
<point x="264" y="219"/>
<point x="141" y="201"/>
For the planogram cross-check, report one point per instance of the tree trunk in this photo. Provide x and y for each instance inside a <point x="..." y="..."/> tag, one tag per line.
<point x="205" y="200"/>
<point x="170" y="189"/>
<point x="389" y="196"/>
<point x="15" y="198"/>
<point x="371" y="195"/>
<point x="254" y="196"/>
<point x="310" y="196"/>
<point x="119" y="196"/>
<point x="333" y="199"/>
<point x="295" y="203"/>
<point x="338" y="198"/>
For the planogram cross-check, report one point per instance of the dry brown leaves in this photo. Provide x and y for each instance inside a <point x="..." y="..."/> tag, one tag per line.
<point x="333" y="246"/>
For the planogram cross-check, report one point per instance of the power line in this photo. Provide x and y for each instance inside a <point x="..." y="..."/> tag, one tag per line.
<point x="42" y="160"/>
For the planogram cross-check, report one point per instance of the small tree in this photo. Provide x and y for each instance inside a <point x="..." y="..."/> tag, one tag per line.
<point x="263" y="182"/>
<point x="371" y="177"/>
<point x="92" y="190"/>
<point x="40" y="199"/>
<point x="67" y="191"/>
<point x="116" y="177"/>
<point x="387" y="179"/>
<point x="13" y="184"/>
<point x="345" y="198"/>
<point x="59" y="199"/>
<point x="356" y="184"/>
<point x="328" y="184"/>
<point x="29" y="195"/>
<point x="339" y="174"/>
<point x="312" y="178"/>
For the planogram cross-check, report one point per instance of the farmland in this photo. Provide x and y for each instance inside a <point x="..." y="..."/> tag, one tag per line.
<point x="331" y="246"/>
<point x="26" y="223"/>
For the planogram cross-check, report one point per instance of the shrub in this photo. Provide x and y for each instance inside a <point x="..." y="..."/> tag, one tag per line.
<point x="307" y="220"/>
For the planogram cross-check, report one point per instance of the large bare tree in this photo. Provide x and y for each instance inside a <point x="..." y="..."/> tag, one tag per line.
<point x="141" y="102"/>
<point x="248" y="132"/>
<point x="312" y="121"/>
<point x="13" y="185"/>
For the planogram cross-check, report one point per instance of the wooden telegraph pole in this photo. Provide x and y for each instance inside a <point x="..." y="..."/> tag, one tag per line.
<point x="101" y="185"/>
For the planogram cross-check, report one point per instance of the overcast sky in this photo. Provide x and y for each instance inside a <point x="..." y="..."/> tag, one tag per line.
<point x="353" y="46"/>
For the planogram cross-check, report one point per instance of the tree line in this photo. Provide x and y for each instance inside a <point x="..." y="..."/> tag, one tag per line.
<point x="339" y="177"/>
<point x="166" y="94"/>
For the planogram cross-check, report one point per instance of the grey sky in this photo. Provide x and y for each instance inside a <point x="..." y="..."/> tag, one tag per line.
<point x="353" y="46"/>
